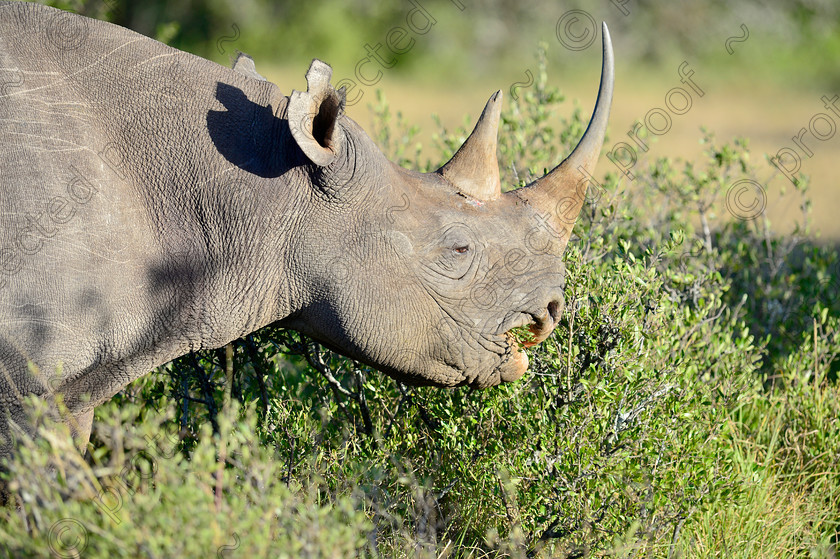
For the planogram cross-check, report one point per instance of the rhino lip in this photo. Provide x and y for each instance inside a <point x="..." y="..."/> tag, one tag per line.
<point x="540" y="325"/>
<point x="518" y="358"/>
<point x="514" y="359"/>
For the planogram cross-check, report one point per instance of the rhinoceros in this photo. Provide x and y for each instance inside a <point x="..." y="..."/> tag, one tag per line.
<point x="153" y="203"/>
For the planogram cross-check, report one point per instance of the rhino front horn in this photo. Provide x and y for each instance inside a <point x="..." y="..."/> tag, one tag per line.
<point x="474" y="169"/>
<point x="561" y="192"/>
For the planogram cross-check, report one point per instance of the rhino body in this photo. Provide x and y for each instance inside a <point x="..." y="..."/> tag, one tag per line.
<point x="153" y="203"/>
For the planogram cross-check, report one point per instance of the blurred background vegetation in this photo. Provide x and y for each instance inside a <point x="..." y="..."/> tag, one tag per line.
<point x="784" y="59"/>
<point x="488" y="35"/>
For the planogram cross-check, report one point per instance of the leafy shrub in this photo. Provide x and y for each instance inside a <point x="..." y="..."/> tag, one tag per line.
<point x="138" y="495"/>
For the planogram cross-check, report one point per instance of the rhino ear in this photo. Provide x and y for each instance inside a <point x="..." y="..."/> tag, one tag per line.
<point x="313" y="115"/>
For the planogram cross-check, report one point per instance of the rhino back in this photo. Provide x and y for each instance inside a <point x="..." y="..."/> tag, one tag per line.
<point x="124" y="165"/>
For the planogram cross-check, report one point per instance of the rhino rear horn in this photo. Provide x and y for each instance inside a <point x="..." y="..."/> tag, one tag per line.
<point x="313" y="115"/>
<point x="560" y="193"/>
<point x="474" y="169"/>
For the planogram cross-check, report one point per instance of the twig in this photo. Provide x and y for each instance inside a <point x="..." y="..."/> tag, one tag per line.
<point x="254" y="353"/>
<point x="677" y="529"/>
<point x="323" y="369"/>
<point x="424" y="415"/>
<point x="318" y="364"/>
<point x="360" y="398"/>
<point x="207" y="389"/>
<point x="509" y="501"/>
<point x="393" y="417"/>
<point x="220" y="469"/>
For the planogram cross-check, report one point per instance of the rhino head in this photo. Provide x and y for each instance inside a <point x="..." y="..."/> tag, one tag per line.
<point x="425" y="275"/>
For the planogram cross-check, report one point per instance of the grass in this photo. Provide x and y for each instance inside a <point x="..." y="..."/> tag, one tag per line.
<point x="777" y="515"/>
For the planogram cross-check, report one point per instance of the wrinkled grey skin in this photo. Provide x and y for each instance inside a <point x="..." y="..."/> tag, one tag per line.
<point x="153" y="203"/>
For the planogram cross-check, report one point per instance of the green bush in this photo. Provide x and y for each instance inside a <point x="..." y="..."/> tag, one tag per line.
<point x="677" y="410"/>
<point x="138" y="495"/>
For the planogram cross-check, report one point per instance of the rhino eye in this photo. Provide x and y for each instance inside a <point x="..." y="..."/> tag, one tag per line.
<point x="461" y="249"/>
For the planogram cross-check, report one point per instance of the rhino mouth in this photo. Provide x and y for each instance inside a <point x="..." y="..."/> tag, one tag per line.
<point x="523" y="331"/>
<point x="532" y="328"/>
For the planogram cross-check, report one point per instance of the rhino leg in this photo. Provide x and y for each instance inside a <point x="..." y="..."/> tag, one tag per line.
<point x="80" y="425"/>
